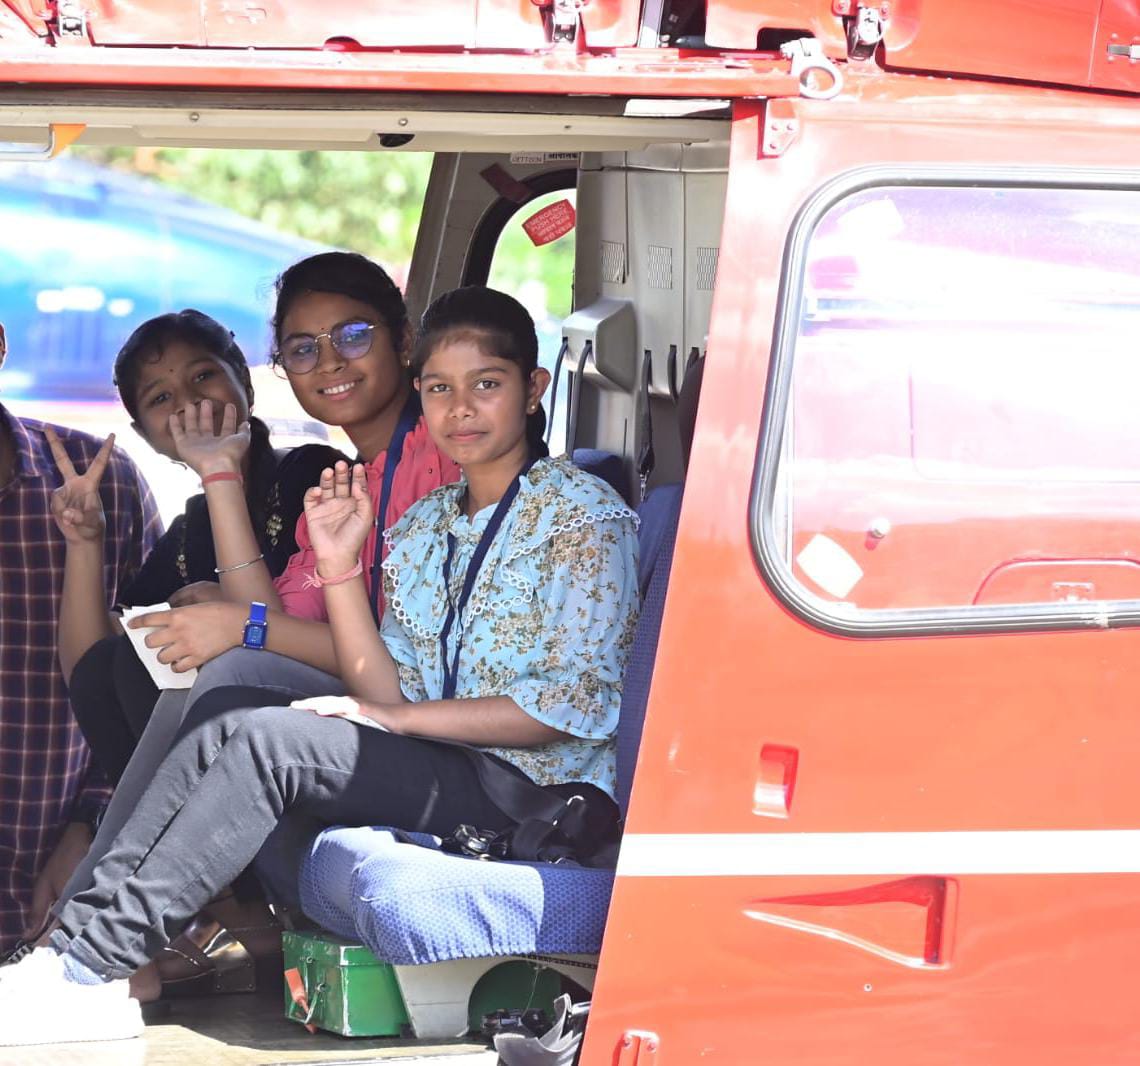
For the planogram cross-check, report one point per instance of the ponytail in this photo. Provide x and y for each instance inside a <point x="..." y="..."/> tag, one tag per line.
<point x="536" y="434"/>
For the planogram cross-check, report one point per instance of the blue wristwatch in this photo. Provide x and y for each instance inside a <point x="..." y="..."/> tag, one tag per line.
<point x="256" y="627"/>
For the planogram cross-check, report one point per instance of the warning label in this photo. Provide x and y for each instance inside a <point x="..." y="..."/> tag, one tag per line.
<point x="544" y="157"/>
<point x="552" y="222"/>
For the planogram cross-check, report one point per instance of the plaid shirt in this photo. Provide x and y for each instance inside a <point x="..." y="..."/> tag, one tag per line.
<point x="44" y="779"/>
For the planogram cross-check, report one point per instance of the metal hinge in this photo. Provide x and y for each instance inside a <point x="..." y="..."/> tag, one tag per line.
<point x="864" y="23"/>
<point x="562" y="19"/>
<point x="70" y="22"/>
<point x="819" y="78"/>
<point x="1127" y="51"/>
<point x="864" y="32"/>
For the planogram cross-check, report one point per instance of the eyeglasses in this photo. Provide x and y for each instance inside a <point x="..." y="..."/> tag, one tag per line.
<point x="301" y="353"/>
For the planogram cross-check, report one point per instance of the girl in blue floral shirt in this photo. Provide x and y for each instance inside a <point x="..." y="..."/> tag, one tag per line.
<point x="512" y="603"/>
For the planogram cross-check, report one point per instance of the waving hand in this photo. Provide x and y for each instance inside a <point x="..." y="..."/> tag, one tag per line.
<point x="339" y="515"/>
<point x="203" y="450"/>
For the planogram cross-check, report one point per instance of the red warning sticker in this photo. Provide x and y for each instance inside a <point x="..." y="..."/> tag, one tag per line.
<point x="552" y="222"/>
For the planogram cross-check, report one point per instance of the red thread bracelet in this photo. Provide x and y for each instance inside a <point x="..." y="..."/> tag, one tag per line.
<point x="222" y="475"/>
<point x="319" y="582"/>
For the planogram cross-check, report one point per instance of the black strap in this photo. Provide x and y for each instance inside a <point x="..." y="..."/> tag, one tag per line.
<point x="409" y="416"/>
<point x="454" y="610"/>
<point x="554" y="386"/>
<point x="549" y="825"/>
<point x="646" y="459"/>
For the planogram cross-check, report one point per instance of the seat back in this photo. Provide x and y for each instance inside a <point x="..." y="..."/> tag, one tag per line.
<point x="659" y="513"/>
<point x="606" y="466"/>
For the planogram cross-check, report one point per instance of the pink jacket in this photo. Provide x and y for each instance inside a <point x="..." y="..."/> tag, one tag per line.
<point x="422" y="467"/>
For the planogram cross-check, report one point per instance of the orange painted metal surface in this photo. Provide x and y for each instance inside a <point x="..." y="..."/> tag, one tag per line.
<point x="630" y="72"/>
<point x="1037" y="42"/>
<point x="498" y="24"/>
<point x="1015" y="732"/>
<point x="313" y="45"/>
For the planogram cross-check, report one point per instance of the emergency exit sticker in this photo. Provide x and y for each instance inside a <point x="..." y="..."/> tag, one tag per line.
<point x="552" y="222"/>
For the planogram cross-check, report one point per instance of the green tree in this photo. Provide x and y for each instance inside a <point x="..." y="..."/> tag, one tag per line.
<point x="367" y="202"/>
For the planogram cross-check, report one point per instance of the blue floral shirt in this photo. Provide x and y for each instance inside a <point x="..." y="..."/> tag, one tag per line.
<point x="550" y="619"/>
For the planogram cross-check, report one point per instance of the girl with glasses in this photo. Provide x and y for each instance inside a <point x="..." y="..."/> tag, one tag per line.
<point x="342" y="340"/>
<point x="512" y="604"/>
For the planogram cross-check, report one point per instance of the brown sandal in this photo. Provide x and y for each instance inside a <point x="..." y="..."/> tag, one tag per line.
<point x="206" y="959"/>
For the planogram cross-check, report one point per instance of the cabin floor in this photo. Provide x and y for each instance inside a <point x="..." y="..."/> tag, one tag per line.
<point x="243" y="1030"/>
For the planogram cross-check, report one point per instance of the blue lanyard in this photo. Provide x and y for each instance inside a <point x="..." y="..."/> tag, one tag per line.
<point x="451" y="669"/>
<point x="409" y="416"/>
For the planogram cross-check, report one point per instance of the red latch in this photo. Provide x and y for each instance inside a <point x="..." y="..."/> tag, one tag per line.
<point x="637" y="1047"/>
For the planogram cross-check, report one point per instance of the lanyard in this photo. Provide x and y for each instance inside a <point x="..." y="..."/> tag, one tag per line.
<point x="409" y="416"/>
<point x="451" y="669"/>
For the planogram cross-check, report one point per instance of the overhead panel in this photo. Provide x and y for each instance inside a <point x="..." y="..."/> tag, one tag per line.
<point x="311" y="24"/>
<point x="1048" y="42"/>
<point x="483" y="24"/>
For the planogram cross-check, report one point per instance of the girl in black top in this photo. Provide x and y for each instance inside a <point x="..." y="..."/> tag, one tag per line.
<point x="183" y="364"/>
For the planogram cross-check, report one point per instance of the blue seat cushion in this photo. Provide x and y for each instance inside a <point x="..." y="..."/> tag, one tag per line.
<point x="412" y="903"/>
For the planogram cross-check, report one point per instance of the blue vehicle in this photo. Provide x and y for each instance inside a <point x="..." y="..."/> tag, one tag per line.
<point x="87" y="253"/>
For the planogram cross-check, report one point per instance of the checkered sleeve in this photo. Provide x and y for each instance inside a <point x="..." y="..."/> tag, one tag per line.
<point x="133" y="528"/>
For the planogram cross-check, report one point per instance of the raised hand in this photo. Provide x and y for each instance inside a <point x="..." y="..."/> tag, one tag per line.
<point x="75" y="505"/>
<point x="203" y="450"/>
<point x="339" y="515"/>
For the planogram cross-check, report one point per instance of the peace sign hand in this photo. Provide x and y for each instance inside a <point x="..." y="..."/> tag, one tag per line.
<point x="339" y="516"/>
<point x="75" y="505"/>
<point x="203" y="450"/>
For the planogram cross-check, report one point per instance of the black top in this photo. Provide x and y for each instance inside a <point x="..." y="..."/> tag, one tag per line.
<point x="185" y="553"/>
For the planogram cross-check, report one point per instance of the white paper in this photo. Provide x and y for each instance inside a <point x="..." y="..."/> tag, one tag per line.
<point x="337" y="707"/>
<point x="160" y="673"/>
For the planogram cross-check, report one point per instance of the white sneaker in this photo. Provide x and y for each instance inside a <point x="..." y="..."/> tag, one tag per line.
<point x="37" y="1006"/>
<point x="35" y="958"/>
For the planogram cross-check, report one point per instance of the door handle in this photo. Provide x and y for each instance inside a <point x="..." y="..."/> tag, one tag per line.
<point x="926" y="947"/>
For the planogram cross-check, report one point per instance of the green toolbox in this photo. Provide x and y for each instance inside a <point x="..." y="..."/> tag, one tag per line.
<point x="342" y="987"/>
<point x="336" y="985"/>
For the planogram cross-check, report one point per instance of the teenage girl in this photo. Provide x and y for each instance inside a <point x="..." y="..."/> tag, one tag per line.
<point x="342" y="340"/>
<point x="512" y="602"/>
<point x="180" y="369"/>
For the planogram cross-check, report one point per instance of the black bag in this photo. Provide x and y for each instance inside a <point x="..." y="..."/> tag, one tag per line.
<point x="558" y="823"/>
<point x="559" y="1046"/>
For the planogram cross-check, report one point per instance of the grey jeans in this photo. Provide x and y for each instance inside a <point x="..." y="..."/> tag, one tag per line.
<point x="280" y="677"/>
<point x="235" y="769"/>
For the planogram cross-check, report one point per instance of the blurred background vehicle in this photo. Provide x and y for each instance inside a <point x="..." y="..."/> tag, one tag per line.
<point x="86" y="254"/>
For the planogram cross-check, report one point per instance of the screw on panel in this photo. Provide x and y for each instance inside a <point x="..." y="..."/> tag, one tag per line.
<point x="781" y="127"/>
<point x="637" y="1047"/>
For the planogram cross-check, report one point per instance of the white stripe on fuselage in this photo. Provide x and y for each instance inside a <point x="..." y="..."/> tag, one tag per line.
<point x="1013" y="851"/>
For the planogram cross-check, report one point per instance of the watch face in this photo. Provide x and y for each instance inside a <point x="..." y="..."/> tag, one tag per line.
<point x="254" y="636"/>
